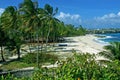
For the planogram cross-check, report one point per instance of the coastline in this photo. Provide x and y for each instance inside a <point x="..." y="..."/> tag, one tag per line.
<point x="108" y="37"/>
<point x="85" y="44"/>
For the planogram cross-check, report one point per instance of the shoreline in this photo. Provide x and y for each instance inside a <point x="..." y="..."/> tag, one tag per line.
<point x="85" y="44"/>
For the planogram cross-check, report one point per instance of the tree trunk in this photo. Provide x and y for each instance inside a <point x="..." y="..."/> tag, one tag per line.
<point x="3" y="59"/>
<point x="47" y="37"/>
<point x="30" y="43"/>
<point x="47" y="40"/>
<point x="18" y="51"/>
<point x="38" y="50"/>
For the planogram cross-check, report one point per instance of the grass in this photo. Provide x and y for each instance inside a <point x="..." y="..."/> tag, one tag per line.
<point x="29" y="60"/>
<point x="16" y="65"/>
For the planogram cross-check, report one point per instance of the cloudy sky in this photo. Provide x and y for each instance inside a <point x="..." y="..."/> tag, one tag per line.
<point x="88" y="13"/>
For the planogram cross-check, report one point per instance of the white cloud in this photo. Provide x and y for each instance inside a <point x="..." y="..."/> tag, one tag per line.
<point x="68" y="18"/>
<point x="111" y="20"/>
<point x="109" y="16"/>
<point x="118" y="13"/>
<point x="1" y="10"/>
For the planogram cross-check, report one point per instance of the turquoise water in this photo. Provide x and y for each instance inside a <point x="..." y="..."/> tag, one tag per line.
<point x="111" y="37"/>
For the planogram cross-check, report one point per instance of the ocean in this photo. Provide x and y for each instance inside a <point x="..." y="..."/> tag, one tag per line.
<point x="107" y="38"/>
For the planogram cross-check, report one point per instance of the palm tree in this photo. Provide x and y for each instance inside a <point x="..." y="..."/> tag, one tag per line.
<point x="10" y="23"/>
<point x="31" y="18"/>
<point x="112" y="51"/>
<point x="51" y="21"/>
<point x="2" y="43"/>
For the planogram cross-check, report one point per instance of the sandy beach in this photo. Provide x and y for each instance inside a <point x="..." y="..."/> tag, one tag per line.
<point x="82" y="44"/>
<point x="85" y="44"/>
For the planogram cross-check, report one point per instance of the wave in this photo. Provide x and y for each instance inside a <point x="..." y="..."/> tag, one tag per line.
<point x="98" y="40"/>
<point x="106" y="38"/>
<point x="109" y="37"/>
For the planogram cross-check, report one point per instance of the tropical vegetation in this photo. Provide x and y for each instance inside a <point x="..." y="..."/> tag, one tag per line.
<point x="28" y="24"/>
<point x="79" y="67"/>
<point x="112" y="51"/>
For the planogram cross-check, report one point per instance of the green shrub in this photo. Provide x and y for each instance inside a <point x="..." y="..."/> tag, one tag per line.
<point x="11" y="77"/>
<point x="42" y="58"/>
<point x="79" y="67"/>
<point x="15" y="65"/>
<point x="83" y="67"/>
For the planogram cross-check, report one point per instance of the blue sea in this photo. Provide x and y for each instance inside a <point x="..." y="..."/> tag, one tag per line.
<point x="107" y="38"/>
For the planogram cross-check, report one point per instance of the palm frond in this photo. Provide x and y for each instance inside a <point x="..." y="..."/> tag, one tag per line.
<point x="106" y="54"/>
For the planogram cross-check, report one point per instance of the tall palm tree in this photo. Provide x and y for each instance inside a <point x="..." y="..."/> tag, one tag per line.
<point x="112" y="51"/>
<point x="29" y="14"/>
<point x="51" y="21"/>
<point x="10" y="23"/>
<point x="31" y="18"/>
<point x="2" y="43"/>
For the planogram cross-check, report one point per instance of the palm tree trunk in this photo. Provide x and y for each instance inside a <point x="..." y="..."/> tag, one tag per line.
<point x="37" y="57"/>
<point x="3" y="59"/>
<point x="47" y="37"/>
<point x="30" y="42"/>
<point x="41" y="41"/>
<point x="38" y="50"/>
<point x="18" y="51"/>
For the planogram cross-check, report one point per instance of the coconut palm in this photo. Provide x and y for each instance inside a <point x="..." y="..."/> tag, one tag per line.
<point x="28" y="16"/>
<point x="10" y="23"/>
<point x="2" y="43"/>
<point x="32" y="18"/>
<point x="112" y="51"/>
<point x="51" y="22"/>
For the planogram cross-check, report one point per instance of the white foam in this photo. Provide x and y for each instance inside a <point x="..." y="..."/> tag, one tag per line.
<point x="109" y="37"/>
<point x="100" y="41"/>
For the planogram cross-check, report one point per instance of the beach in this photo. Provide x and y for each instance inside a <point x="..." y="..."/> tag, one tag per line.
<point x="82" y="44"/>
<point x="85" y="44"/>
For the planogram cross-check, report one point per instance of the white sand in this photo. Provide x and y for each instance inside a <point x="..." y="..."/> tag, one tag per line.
<point x="85" y="44"/>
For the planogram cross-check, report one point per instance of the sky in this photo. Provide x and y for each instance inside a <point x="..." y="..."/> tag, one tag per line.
<point x="88" y="13"/>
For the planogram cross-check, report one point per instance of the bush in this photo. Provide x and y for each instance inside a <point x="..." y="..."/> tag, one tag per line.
<point x="15" y="65"/>
<point x="42" y="57"/>
<point x="83" y="67"/>
<point x="80" y="67"/>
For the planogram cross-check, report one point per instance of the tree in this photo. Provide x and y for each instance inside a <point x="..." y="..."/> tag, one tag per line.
<point x="81" y="30"/>
<point x="71" y="31"/>
<point x="2" y="43"/>
<point x="31" y="20"/>
<point x="32" y="17"/>
<point x="112" y="51"/>
<point x="62" y="30"/>
<point x="10" y="24"/>
<point x="51" y="22"/>
<point x="29" y="16"/>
